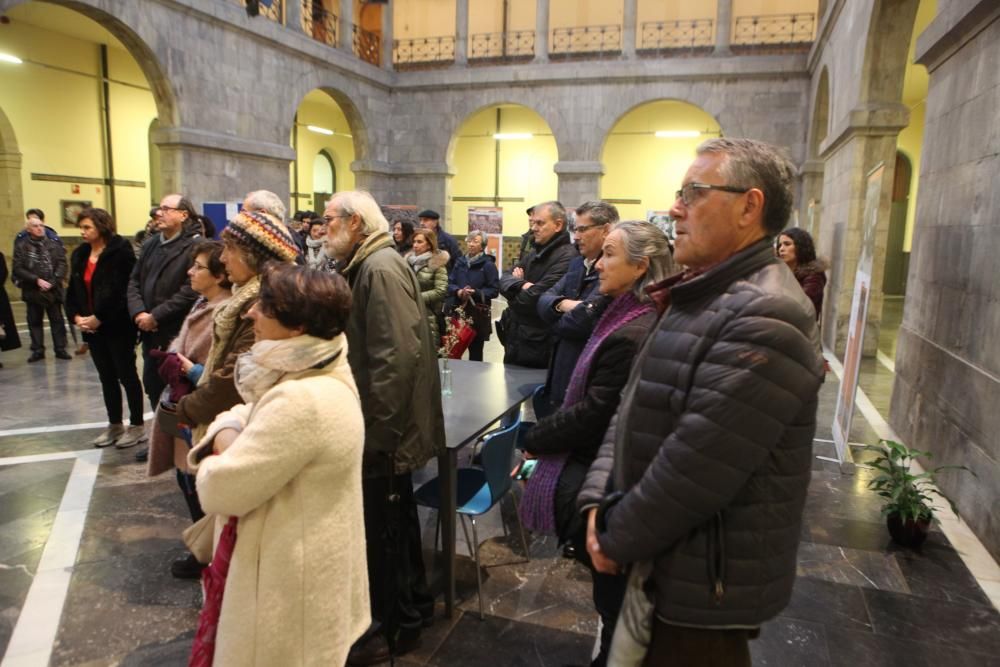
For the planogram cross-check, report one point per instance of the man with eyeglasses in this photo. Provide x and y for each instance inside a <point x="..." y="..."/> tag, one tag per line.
<point x="160" y="294"/>
<point x="573" y="305"/>
<point x="524" y="335"/>
<point x="703" y="473"/>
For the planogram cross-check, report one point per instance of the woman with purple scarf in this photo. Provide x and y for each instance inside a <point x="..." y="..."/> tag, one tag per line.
<point x="635" y="255"/>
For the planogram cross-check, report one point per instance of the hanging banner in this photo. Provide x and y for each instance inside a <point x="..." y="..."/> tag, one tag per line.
<point x="844" y="413"/>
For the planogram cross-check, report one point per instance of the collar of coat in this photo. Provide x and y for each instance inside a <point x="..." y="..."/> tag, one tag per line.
<point x="691" y="286"/>
<point x="560" y="239"/>
<point x="374" y="242"/>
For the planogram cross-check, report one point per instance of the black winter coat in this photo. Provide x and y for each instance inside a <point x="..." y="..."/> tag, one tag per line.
<point x="11" y="340"/>
<point x="446" y="242"/>
<point x="524" y="335"/>
<point x="109" y="286"/>
<point x="482" y="276"/>
<point x="160" y="286"/>
<point x="29" y="266"/>
<point x="712" y="445"/>
<point x="571" y="330"/>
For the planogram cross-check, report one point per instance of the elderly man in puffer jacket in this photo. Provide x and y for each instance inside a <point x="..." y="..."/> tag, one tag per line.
<point x="704" y="470"/>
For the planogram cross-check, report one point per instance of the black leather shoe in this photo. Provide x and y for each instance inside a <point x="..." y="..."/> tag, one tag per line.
<point x="375" y="650"/>
<point x="36" y="356"/>
<point x="62" y="354"/>
<point x="187" y="568"/>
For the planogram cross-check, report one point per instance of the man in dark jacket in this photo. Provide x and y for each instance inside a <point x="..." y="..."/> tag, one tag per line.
<point x="573" y="305"/>
<point x="525" y="337"/>
<point x="709" y="454"/>
<point x="40" y="269"/>
<point x="432" y="220"/>
<point x="159" y="291"/>
<point x="394" y="362"/>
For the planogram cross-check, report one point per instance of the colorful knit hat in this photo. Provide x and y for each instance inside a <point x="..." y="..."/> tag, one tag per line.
<point x="265" y="234"/>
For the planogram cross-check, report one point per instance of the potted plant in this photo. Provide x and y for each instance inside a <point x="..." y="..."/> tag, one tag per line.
<point x="908" y="509"/>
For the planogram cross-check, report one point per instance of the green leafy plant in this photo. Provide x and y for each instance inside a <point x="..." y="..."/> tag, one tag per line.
<point x="906" y="494"/>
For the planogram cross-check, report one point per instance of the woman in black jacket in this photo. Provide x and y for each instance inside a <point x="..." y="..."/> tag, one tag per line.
<point x="97" y="301"/>
<point x="635" y="254"/>
<point x="9" y="340"/>
<point x="472" y="286"/>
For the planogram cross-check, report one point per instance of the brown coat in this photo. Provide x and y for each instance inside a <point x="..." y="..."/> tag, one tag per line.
<point x="217" y="393"/>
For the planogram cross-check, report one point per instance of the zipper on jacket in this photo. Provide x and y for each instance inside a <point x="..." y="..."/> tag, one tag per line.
<point x="717" y="557"/>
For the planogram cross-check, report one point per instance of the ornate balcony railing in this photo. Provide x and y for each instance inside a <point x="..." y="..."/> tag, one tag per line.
<point x="493" y="47"/>
<point x="676" y="37"/>
<point x="774" y="32"/>
<point x="586" y="40"/>
<point x="321" y="24"/>
<point x="367" y="46"/>
<point x="272" y="9"/>
<point x="424" y="51"/>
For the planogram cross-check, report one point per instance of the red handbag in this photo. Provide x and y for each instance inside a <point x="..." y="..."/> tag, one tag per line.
<point x="214" y="579"/>
<point x="458" y="337"/>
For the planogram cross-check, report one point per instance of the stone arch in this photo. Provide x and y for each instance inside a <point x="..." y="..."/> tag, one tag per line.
<point x="890" y="30"/>
<point x="138" y="47"/>
<point x="344" y="97"/>
<point x="622" y="113"/>
<point x="11" y="197"/>
<point x="466" y="109"/>
<point x="820" y="125"/>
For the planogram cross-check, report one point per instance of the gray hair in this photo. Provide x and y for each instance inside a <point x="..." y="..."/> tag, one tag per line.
<point x="266" y="201"/>
<point x="476" y="233"/>
<point x="755" y="164"/>
<point x="601" y="212"/>
<point x="644" y="239"/>
<point x="362" y="203"/>
<point x="554" y="209"/>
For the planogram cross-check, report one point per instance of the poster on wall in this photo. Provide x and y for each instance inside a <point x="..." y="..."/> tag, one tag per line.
<point x="844" y="413"/>
<point x="488" y="220"/>
<point x="662" y="220"/>
<point x="221" y="212"/>
<point x="70" y="209"/>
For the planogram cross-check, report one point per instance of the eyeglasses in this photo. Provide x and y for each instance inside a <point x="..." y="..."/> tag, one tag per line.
<point x="687" y="192"/>
<point x="583" y="228"/>
<point x="163" y="209"/>
<point x="199" y="267"/>
<point x="330" y="218"/>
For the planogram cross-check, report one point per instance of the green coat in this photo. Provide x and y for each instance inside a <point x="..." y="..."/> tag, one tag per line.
<point x="394" y="360"/>
<point x="433" y="280"/>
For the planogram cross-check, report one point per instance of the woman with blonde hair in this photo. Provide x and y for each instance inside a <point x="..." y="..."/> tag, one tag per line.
<point x="431" y="266"/>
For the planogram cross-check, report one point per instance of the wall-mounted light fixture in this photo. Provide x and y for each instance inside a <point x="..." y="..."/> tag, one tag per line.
<point x="677" y="134"/>
<point x="319" y="130"/>
<point x="501" y="136"/>
<point x="8" y="58"/>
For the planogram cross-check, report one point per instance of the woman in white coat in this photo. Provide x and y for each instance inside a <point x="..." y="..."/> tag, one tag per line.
<point x="287" y="465"/>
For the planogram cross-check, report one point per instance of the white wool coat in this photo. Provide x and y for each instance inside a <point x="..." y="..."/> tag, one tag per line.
<point x="297" y="590"/>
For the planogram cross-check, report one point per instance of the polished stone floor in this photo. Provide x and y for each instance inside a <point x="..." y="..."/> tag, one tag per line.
<point x="858" y="599"/>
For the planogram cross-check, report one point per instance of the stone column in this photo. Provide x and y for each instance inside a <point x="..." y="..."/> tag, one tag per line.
<point x="461" y="32"/>
<point x="723" y="27"/>
<point x="629" y="19"/>
<point x="387" y="38"/>
<point x="11" y="203"/>
<point x="579" y="181"/>
<point x="347" y="25"/>
<point x="541" y="31"/>
<point x="293" y="15"/>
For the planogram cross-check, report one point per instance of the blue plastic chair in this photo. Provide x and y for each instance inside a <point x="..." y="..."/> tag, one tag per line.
<point x="478" y="489"/>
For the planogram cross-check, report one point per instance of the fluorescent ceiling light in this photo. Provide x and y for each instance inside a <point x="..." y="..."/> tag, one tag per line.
<point x="7" y="58"/>
<point x="677" y="134"/>
<point x="512" y="135"/>
<point x="319" y="130"/>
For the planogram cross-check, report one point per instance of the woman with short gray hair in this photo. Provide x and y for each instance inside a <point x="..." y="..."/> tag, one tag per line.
<point x="472" y="286"/>
<point x="635" y="255"/>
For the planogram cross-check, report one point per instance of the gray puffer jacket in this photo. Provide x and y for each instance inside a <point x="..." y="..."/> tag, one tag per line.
<point x="712" y="444"/>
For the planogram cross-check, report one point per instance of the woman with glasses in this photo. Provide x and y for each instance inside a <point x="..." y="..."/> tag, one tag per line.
<point x="472" y="286"/>
<point x="634" y="255"/>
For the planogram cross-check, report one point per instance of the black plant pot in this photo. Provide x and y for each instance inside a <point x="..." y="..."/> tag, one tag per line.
<point x="908" y="533"/>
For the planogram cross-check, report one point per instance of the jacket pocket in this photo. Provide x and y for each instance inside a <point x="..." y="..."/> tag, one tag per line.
<point x="715" y="536"/>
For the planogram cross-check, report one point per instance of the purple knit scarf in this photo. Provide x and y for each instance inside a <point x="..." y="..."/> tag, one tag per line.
<point x="538" y="503"/>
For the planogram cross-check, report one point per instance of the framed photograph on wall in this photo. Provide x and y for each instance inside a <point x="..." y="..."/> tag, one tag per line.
<point x="70" y="208"/>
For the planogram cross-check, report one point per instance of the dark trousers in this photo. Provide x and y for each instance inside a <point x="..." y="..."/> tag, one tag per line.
<point x="676" y="646"/>
<point x="398" y="579"/>
<point x="151" y="380"/>
<point x="476" y="350"/>
<point x="36" y="322"/>
<point x="114" y="357"/>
